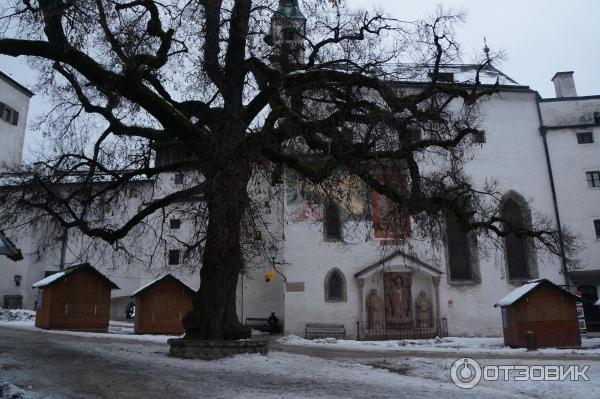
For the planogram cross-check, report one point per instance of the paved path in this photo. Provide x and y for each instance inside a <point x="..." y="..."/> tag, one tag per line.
<point x="67" y="366"/>
<point x="331" y="352"/>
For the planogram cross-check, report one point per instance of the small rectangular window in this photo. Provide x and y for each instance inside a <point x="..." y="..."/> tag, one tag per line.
<point x="178" y="179"/>
<point x="479" y="137"/>
<point x="593" y="178"/>
<point x="585" y="138"/>
<point x="597" y="227"/>
<point x="175" y="224"/>
<point x="174" y="257"/>
<point x="12" y="302"/>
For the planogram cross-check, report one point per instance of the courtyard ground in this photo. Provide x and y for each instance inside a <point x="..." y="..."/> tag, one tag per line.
<point x="41" y="364"/>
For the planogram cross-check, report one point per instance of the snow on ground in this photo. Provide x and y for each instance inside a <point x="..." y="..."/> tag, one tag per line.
<point x="590" y="346"/>
<point x="25" y="319"/>
<point x="10" y="391"/>
<point x="16" y="315"/>
<point x="77" y="367"/>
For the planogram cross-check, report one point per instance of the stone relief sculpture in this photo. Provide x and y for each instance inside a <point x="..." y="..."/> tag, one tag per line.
<point x="423" y="311"/>
<point x="398" y="313"/>
<point x="373" y="310"/>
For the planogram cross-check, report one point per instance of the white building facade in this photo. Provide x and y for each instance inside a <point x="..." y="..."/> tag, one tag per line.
<point x="544" y="154"/>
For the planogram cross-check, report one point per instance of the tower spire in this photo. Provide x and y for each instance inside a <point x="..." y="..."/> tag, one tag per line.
<point x="288" y="30"/>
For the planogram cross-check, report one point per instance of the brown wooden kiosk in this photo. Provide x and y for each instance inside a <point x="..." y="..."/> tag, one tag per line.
<point x="76" y="298"/>
<point x="161" y="305"/>
<point x="540" y="314"/>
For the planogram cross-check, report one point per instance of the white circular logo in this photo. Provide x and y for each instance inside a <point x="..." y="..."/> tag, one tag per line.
<point x="465" y="373"/>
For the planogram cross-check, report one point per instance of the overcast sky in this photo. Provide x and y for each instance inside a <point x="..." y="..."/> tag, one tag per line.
<point x="540" y="37"/>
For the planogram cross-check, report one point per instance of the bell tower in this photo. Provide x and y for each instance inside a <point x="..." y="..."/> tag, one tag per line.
<point x="288" y="30"/>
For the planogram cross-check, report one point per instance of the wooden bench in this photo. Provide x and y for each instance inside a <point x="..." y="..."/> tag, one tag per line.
<point x="322" y="330"/>
<point x="261" y="324"/>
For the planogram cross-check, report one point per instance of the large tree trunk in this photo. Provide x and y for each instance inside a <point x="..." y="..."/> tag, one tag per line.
<point x="214" y="313"/>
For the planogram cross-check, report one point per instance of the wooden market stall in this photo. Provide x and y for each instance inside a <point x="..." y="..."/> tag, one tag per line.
<point x="540" y="314"/>
<point x="76" y="298"/>
<point x="161" y="305"/>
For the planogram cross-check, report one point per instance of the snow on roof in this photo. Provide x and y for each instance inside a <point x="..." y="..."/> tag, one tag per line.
<point x="84" y="266"/>
<point x="151" y="283"/>
<point x="517" y="293"/>
<point x="50" y="279"/>
<point x="523" y="290"/>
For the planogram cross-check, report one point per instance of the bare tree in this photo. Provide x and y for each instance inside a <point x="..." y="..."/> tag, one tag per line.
<point x="240" y="89"/>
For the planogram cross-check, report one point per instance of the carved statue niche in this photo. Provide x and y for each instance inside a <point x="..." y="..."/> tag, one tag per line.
<point x="423" y="311"/>
<point x="398" y="304"/>
<point x="374" y="310"/>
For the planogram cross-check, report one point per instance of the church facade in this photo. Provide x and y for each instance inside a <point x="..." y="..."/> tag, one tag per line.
<point x="324" y="268"/>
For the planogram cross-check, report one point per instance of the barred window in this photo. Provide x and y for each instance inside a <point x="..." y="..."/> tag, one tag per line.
<point x="585" y="138"/>
<point x="593" y="178"/>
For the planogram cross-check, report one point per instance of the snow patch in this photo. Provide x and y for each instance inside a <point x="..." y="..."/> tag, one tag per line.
<point x="10" y="391"/>
<point x="48" y="280"/>
<point x="16" y="315"/>
<point x="517" y="293"/>
<point x="589" y="346"/>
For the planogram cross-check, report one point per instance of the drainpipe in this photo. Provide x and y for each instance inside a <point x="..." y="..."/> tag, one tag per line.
<point x="543" y="130"/>
<point x="63" y="250"/>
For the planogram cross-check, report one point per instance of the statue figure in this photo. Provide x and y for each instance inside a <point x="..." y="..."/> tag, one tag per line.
<point x="373" y="310"/>
<point x="397" y="300"/>
<point x="423" y="311"/>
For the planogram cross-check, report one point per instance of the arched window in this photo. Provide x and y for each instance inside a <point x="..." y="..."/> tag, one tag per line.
<point x="332" y="223"/>
<point x="335" y="286"/>
<point x="516" y="247"/>
<point x="459" y="259"/>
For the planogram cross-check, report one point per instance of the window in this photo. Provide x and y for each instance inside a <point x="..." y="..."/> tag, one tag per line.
<point x="7" y="114"/>
<point x="178" y="179"/>
<point x="458" y="249"/>
<point x="515" y="246"/>
<point x="173" y="257"/>
<point x="289" y="33"/>
<point x="443" y="76"/>
<point x="12" y="302"/>
<point x="597" y="227"/>
<point x="585" y="138"/>
<point x="335" y="286"/>
<point x="593" y="178"/>
<point x="332" y="223"/>
<point x="479" y="137"/>
<point x="175" y="224"/>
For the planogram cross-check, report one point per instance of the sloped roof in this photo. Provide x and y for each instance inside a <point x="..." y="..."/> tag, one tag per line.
<point x="16" y="84"/>
<point x="289" y="9"/>
<point x="519" y="293"/>
<point x="8" y="249"/>
<point x="393" y="255"/>
<point x="60" y="275"/>
<point x="153" y="283"/>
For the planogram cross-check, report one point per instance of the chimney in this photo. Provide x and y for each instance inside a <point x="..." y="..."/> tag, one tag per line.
<point x="564" y="84"/>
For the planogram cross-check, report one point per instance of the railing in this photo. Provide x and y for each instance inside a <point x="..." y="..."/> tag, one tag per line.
<point x="396" y="330"/>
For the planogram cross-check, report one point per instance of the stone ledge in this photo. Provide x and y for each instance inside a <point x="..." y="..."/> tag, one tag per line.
<point x="213" y="349"/>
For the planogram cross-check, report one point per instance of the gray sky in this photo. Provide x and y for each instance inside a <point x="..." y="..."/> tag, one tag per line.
<point x="540" y="37"/>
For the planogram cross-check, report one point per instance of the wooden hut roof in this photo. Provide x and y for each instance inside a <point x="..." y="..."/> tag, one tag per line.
<point x="153" y="283"/>
<point x="60" y="275"/>
<point x="526" y="289"/>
